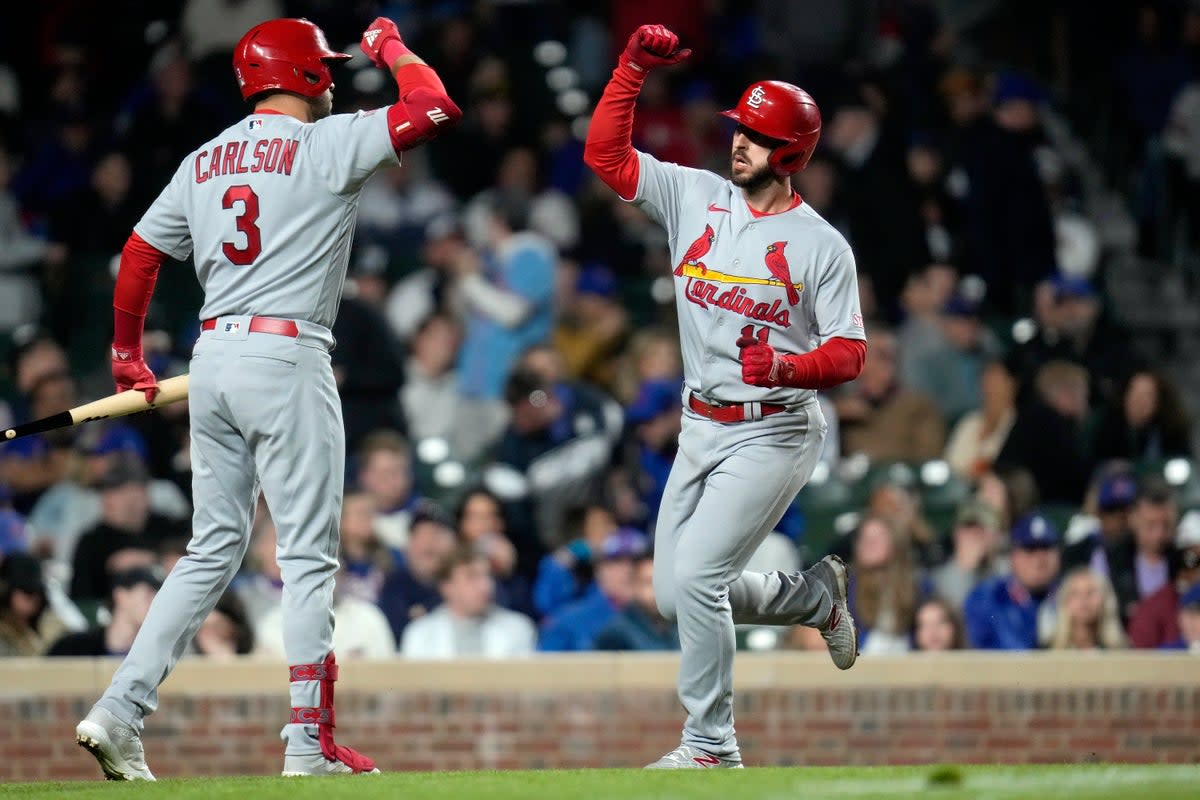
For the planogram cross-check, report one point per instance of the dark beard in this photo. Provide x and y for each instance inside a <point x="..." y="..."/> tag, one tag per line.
<point x="755" y="181"/>
<point x="320" y="108"/>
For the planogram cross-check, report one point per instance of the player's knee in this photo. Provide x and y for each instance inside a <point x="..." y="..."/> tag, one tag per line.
<point x="697" y="583"/>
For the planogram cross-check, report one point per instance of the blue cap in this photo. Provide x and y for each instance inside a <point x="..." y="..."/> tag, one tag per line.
<point x="624" y="543"/>
<point x="120" y="439"/>
<point x="653" y="398"/>
<point x="1116" y="492"/>
<point x="1017" y="86"/>
<point x="1191" y="597"/>
<point x="1033" y="532"/>
<point x="596" y="279"/>
<point x="960" y="305"/>
<point x="1070" y="286"/>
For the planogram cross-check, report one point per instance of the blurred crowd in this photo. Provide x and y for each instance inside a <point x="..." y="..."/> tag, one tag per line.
<point x="1007" y="472"/>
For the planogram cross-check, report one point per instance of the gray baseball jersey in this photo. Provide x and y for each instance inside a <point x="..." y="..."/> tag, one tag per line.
<point x="793" y="274"/>
<point x="267" y="208"/>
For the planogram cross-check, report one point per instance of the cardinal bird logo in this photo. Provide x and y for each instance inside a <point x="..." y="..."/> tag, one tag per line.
<point x="697" y="250"/>
<point x="778" y="266"/>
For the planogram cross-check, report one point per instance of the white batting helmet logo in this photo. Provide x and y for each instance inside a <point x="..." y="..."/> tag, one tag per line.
<point x="757" y="95"/>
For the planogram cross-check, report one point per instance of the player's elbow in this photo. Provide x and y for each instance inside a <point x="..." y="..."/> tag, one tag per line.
<point x="857" y="360"/>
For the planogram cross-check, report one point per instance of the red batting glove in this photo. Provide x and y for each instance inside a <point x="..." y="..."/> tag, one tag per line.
<point x="653" y="46"/>
<point x="130" y="372"/>
<point x="760" y="363"/>
<point x="374" y="39"/>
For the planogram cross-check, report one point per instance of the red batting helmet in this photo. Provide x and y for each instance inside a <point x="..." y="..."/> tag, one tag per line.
<point x="785" y="112"/>
<point x="290" y="55"/>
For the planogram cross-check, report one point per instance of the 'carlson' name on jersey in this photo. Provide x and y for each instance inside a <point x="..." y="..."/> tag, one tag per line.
<point x="231" y="158"/>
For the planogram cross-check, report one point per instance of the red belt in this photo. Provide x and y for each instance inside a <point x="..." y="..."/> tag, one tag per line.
<point x="730" y="413"/>
<point x="279" y="327"/>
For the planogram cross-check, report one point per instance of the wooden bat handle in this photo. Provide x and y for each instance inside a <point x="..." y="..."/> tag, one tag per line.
<point x="170" y="390"/>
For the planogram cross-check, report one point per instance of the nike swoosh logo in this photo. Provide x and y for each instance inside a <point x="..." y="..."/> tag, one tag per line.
<point x="714" y="207"/>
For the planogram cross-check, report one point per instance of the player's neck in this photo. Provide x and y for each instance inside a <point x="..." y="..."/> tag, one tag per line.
<point x="773" y="198"/>
<point x="286" y="104"/>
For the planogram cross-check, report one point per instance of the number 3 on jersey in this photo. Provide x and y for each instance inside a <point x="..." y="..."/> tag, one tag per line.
<point x="246" y="224"/>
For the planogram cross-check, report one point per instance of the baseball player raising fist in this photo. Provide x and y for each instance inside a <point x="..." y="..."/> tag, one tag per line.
<point x="266" y="209"/>
<point x="768" y="313"/>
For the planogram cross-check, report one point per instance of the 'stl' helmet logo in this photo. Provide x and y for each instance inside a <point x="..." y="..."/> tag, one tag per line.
<point x="757" y="95"/>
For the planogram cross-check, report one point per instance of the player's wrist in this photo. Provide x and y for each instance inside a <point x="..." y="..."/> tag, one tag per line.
<point x="394" y="49"/>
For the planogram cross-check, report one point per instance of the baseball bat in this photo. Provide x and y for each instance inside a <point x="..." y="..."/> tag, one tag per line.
<point x="120" y="404"/>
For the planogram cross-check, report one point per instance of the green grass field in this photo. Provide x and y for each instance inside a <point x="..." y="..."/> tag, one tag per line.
<point x="1091" y="782"/>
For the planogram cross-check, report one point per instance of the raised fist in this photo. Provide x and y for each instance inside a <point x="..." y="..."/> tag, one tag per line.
<point x="760" y="364"/>
<point x="129" y="370"/>
<point x="653" y="46"/>
<point x="377" y="34"/>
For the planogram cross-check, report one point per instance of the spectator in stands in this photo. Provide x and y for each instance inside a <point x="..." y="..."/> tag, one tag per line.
<point x="975" y="556"/>
<point x="468" y="623"/>
<point x="384" y="471"/>
<point x="259" y="585"/>
<point x="897" y="501"/>
<point x="925" y="295"/>
<point x="653" y="421"/>
<point x="566" y="574"/>
<point x="576" y="625"/>
<point x="883" y="419"/>
<point x="1138" y="565"/>
<point x="482" y="525"/>
<point x="950" y="373"/>
<point x="592" y="326"/>
<point x="1071" y="329"/>
<point x="426" y="291"/>
<point x="396" y="208"/>
<point x="27" y="626"/>
<point x="883" y="587"/>
<point x="979" y="436"/>
<point x="1146" y="422"/>
<point x="639" y="626"/>
<point x="14" y="531"/>
<point x="1010" y="491"/>
<point x="410" y="590"/>
<point x="1003" y="613"/>
<point x="21" y="255"/>
<point x="1115" y="496"/>
<point x="551" y="213"/>
<point x="1155" y="623"/>
<point x="126" y="523"/>
<point x="1087" y="617"/>
<point x="31" y="465"/>
<point x="508" y="291"/>
<point x="561" y="438"/>
<point x="368" y="363"/>
<point x="366" y="561"/>
<point x="939" y="627"/>
<point x="132" y="591"/>
<point x="1047" y="437"/>
<point x="432" y="404"/>
<point x="1189" y="622"/>
<point x="226" y="631"/>
<point x="360" y="628"/>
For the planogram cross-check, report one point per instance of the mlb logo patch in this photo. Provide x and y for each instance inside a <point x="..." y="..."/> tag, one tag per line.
<point x="230" y="327"/>
<point x="255" y="124"/>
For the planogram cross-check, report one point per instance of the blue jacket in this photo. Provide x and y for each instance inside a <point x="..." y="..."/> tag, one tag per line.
<point x="634" y="629"/>
<point x="1002" y="615"/>
<point x="577" y="625"/>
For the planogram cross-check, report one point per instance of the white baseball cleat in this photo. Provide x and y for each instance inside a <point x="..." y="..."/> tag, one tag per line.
<point x="117" y="746"/>
<point x="840" y="633"/>
<point x="316" y="764"/>
<point x="687" y="757"/>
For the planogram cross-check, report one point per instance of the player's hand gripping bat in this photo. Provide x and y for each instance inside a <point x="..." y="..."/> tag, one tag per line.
<point x="118" y="405"/>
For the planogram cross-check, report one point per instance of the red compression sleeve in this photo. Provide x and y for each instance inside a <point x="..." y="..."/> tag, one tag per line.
<point x="832" y="364"/>
<point x="609" y="148"/>
<point x="140" y="262"/>
<point x="424" y="109"/>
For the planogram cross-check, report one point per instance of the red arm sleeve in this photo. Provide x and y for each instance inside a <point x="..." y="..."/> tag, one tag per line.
<point x="832" y="364"/>
<point x="140" y="262"/>
<point x="609" y="147"/>
<point x="423" y="111"/>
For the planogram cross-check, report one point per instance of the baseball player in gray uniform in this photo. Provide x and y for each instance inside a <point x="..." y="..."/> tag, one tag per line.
<point x="768" y="310"/>
<point x="267" y="210"/>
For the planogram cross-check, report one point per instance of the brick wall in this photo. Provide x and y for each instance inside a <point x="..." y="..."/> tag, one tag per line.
<point x="410" y="716"/>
